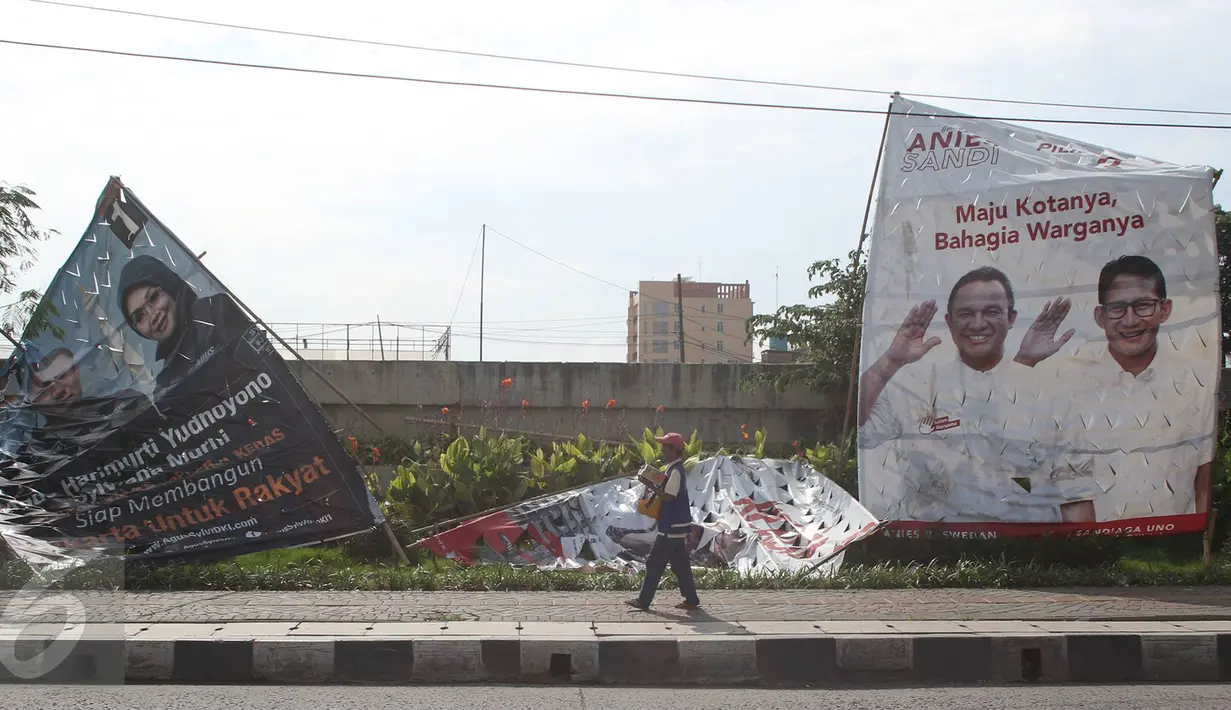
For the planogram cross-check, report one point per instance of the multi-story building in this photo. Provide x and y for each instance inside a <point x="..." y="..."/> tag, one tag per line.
<point x="714" y="319"/>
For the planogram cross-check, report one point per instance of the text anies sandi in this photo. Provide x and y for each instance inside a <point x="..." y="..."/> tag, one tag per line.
<point x="106" y="480"/>
<point x="1044" y="228"/>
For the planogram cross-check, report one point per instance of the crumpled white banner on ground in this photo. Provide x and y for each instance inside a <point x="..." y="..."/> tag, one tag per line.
<point x="755" y="516"/>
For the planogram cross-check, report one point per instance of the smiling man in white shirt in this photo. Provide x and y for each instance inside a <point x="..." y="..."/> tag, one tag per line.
<point x="981" y="444"/>
<point x="1141" y="408"/>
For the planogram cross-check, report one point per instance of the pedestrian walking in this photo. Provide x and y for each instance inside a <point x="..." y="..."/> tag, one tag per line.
<point x="674" y="524"/>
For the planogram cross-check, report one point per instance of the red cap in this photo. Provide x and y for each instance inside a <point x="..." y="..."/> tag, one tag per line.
<point x="672" y="439"/>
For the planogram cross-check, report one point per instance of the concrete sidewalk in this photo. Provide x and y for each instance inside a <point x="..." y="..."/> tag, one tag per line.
<point x="793" y="638"/>
<point x="1147" y="603"/>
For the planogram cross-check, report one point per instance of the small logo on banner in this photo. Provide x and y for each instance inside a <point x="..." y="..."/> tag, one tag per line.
<point x="125" y="219"/>
<point x="930" y="424"/>
<point x="255" y="338"/>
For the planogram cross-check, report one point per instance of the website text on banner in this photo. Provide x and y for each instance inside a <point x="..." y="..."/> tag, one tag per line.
<point x="147" y="415"/>
<point x="1041" y="341"/>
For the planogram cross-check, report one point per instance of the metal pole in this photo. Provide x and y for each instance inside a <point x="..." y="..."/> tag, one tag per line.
<point x="348" y="342"/>
<point x="372" y="482"/>
<point x="482" y="270"/>
<point x="863" y="235"/>
<point x="455" y="521"/>
<point x="380" y="337"/>
<point x="679" y="307"/>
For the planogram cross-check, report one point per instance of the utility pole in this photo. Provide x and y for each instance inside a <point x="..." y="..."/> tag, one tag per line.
<point x="679" y="307"/>
<point x="482" y="270"/>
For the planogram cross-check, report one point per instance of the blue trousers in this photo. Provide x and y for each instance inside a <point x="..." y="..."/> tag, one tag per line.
<point x="668" y="551"/>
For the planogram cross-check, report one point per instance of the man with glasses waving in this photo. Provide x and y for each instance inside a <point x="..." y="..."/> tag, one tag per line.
<point x="1143" y="410"/>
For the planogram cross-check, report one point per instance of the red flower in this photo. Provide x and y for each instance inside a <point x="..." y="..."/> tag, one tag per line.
<point x="444" y="411"/>
<point x="585" y="404"/>
<point x="506" y="382"/>
<point x="251" y="423"/>
<point x="525" y="404"/>
<point x="611" y="404"/>
<point x="745" y="435"/>
<point x="354" y="444"/>
<point x="375" y="455"/>
<point x="660" y="409"/>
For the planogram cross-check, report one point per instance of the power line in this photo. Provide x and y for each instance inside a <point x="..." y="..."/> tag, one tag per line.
<point x="631" y="70"/>
<point x="535" y="341"/>
<point x="692" y="340"/>
<point x="548" y="337"/>
<point x="555" y="260"/>
<point x="603" y="280"/>
<point x="597" y="320"/>
<point x="464" y="281"/>
<point x="564" y="330"/>
<point x="681" y="336"/>
<point x="597" y="94"/>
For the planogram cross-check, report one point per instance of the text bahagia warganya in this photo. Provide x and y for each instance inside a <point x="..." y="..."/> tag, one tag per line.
<point x="1072" y="217"/>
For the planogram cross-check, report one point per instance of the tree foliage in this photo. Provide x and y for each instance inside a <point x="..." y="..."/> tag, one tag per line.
<point x="18" y="235"/>
<point x="825" y="335"/>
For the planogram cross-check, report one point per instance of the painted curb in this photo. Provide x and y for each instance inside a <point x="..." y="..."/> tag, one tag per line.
<point x="788" y="661"/>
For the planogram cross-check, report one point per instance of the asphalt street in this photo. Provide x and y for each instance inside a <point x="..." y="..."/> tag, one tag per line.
<point x="1120" y="697"/>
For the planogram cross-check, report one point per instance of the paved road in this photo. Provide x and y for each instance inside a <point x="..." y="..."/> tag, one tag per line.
<point x="1122" y="697"/>
<point x="1161" y="603"/>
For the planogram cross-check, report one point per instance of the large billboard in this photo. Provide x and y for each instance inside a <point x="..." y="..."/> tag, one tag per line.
<point x="149" y="416"/>
<point x="1041" y="339"/>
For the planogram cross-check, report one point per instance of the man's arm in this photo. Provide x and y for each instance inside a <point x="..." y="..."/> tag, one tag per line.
<point x="670" y="488"/>
<point x="908" y="346"/>
<point x="872" y="384"/>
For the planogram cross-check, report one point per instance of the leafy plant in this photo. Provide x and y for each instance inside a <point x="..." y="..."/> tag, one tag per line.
<point x="824" y="335"/>
<point x="834" y="463"/>
<point x="18" y="234"/>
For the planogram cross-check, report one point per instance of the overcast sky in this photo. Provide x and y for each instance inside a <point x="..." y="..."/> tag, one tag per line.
<point x="324" y="199"/>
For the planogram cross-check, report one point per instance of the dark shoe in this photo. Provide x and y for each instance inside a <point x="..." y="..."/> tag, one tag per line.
<point x="688" y="606"/>
<point x="636" y="604"/>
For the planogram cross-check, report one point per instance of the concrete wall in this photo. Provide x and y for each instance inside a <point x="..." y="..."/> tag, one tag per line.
<point x="707" y="398"/>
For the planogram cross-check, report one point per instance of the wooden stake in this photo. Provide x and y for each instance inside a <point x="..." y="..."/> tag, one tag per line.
<point x="380" y="495"/>
<point x="1207" y="539"/>
<point x="490" y="511"/>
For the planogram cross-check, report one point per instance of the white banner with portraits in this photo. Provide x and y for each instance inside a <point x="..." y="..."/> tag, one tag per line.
<point x="1041" y="342"/>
